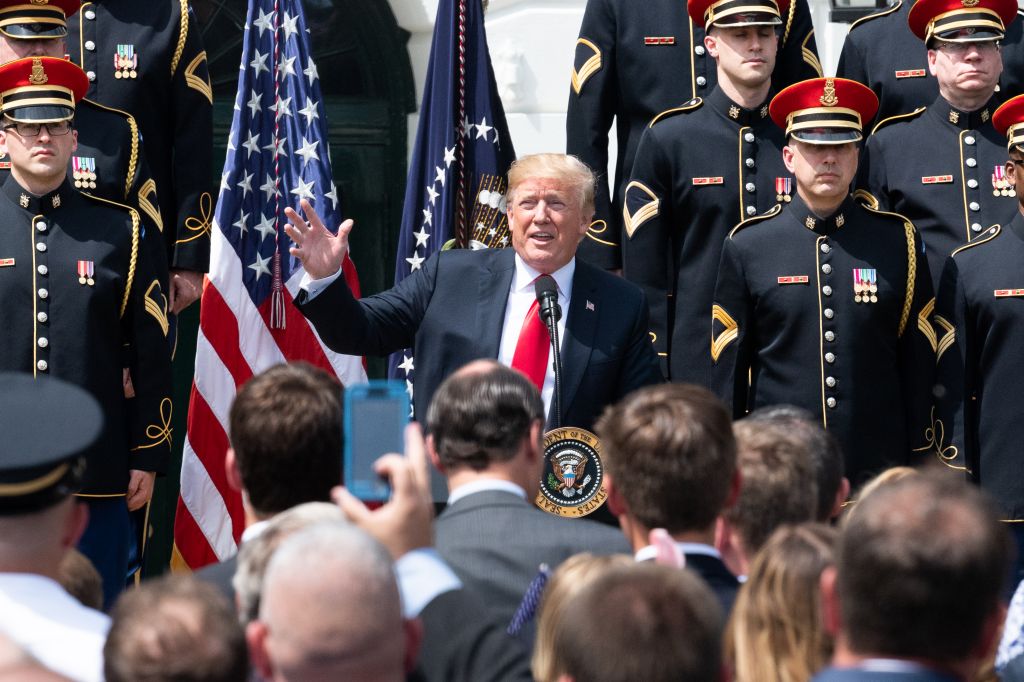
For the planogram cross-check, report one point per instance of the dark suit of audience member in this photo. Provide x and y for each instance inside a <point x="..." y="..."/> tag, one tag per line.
<point x="485" y="427"/>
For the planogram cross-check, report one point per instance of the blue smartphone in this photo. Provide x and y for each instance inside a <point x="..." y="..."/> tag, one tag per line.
<point x="375" y="417"/>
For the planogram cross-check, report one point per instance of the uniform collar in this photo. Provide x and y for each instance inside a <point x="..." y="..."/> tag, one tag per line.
<point x="964" y="120"/>
<point x="734" y="112"/>
<point x="33" y="204"/>
<point x="822" y="225"/>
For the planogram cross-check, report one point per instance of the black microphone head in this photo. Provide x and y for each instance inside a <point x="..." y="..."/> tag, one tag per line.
<point x="547" y="295"/>
<point x="545" y="287"/>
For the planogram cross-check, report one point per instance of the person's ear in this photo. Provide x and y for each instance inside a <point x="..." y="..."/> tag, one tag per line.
<point x="711" y="44"/>
<point x="831" y="615"/>
<point x="231" y="471"/>
<point x="78" y="520"/>
<point x="787" y="157"/>
<point x="932" y="59"/>
<point x="256" y="634"/>
<point x="412" y="629"/>
<point x="841" y="495"/>
<point x="435" y="459"/>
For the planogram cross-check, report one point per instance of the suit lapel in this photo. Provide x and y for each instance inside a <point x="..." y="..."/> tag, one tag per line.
<point x="492" y="299"/>
<point x="580" y="327"/>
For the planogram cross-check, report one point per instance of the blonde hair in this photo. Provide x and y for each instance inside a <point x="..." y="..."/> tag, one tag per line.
<point x="882" y="480"/>
<point x="776" y="633"/>
<point x="565" y="584"/>
<point x="576" y="174"/>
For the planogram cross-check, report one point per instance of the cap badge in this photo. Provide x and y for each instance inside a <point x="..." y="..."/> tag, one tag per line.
<point x="969" y="3"/>
<point x="40" y="2"/>
<point x="38" y="75"/>
<point x="828" y="97"/>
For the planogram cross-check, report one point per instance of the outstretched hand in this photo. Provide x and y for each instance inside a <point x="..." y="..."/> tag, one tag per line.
<point x="320" y="252"/>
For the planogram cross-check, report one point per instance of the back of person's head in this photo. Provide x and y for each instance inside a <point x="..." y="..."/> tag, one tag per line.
<point x="174" y="629"/>
<point x="870" y="487"/>
<point x="342" y="620"/>
<point x="921" y="566"/>
<point x="671" y="453"/>
<point x="640" y="622"/>
<point x="563" y="588"/>
<point x="779" y="485"/>
<point x="776" y="632"/>
<point x="255" y="553"/>
<point x="82" y="581"/>
<point x="823" y="448"/>
<point x="481" y="414"/>
<point x="286" y="433"/>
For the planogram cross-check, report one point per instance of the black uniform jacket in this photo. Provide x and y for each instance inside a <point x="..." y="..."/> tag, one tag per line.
<point x="170" y="97"/>
<point x="786" y="315"/>
<point x="110" y="163"/>
<point x="81" y="303"/>
<point x="882" y="52"/>
<point x="700" y="170"/>
<point x="940" y="168"/>
<point x="636" y="59"/>
<point x="979" y="326"/>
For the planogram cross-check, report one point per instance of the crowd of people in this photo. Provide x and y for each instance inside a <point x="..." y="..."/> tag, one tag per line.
<point x="790" y="323"/>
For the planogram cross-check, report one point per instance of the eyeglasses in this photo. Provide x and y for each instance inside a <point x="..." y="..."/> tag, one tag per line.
<point x="53" y="128"/>
<point x="982" y="46"/>
<point x="1019" y="163"/>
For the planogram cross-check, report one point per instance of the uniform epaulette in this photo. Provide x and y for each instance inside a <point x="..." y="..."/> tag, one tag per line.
<point x="770" y="213"/>
<point x="898" y="117"/>
<point x="868" y="201"/>
<point x="875" y="15"/>
<point x="990" y="234"/>
<point x="693" y="104"/>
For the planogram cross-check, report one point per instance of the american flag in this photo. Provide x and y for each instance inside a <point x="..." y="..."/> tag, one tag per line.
<point x="455" y="191"/>
<point x="277" y="154"/>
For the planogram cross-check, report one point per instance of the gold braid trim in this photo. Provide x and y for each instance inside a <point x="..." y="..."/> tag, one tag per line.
<point x="911" y="276"/>
<point x="182" y="36"/>
<point x="133" y="158"/>
<point x="789" y="20"/>
<point x="134" y="260"/>
<point x="159" y="433"/>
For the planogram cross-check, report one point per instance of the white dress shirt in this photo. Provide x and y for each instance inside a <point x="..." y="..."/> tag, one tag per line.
<point x="520" y="297"/>
<point x="38" y="615"/>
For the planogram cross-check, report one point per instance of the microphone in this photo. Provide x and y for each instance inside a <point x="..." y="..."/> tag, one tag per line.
<point x="547" y="297"/>
<point x="550" y="312"/>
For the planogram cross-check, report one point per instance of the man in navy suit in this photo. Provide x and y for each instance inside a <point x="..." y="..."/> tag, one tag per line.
<point x="468" y="305"/>
<point x="915" y="592"/>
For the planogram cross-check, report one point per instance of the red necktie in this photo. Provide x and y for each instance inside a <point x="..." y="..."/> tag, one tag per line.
<point x="531" y="356"/>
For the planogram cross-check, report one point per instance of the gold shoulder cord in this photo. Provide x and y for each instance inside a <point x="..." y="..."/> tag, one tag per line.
<point x="182" y="36"/>
<point x="911" y="275"/>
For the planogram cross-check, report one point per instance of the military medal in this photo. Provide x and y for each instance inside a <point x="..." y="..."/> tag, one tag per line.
<point x="783" y="189"/>
<point x="86" y="270"/>
<point x="83" y="170"/>
<point x="865" y="285"/>
<point x="1000" y="185"/>
<point x="126" y="62"/>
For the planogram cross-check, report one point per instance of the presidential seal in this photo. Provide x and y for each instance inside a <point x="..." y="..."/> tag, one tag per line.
<point x="573" y="480"/>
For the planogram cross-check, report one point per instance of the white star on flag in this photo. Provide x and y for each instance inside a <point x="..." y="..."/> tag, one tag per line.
<point x="260" y="266"/>
<point x="416" y="261"/>
<point x="304" y="190"/>
<point x="308" y="151"/>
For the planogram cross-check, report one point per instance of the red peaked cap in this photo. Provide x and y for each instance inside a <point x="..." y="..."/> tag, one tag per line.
<point x="41" y="89"/>
<point x="961" y="20"/>
<point x="41" y="19"/>
<point x="830" y="106"/>
<point x="1009" y="121"/>
<point x="743" y="12"/>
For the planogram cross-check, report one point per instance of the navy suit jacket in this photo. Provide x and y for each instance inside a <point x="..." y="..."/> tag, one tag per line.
<point x="453" y="309"/>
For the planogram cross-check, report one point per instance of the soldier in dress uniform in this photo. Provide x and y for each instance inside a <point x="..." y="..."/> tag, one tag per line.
<point x="700" y="169"/>
<point x="109" y="161"/>
<point x="80" y="301"/>
<point x="898" y="72"/>
<point x="147" y="58"/>
<point x="943" y="166"/>
<point x="979" y="325"/>
<point x="634" y="60"/>
<point x="824" y="302"/>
